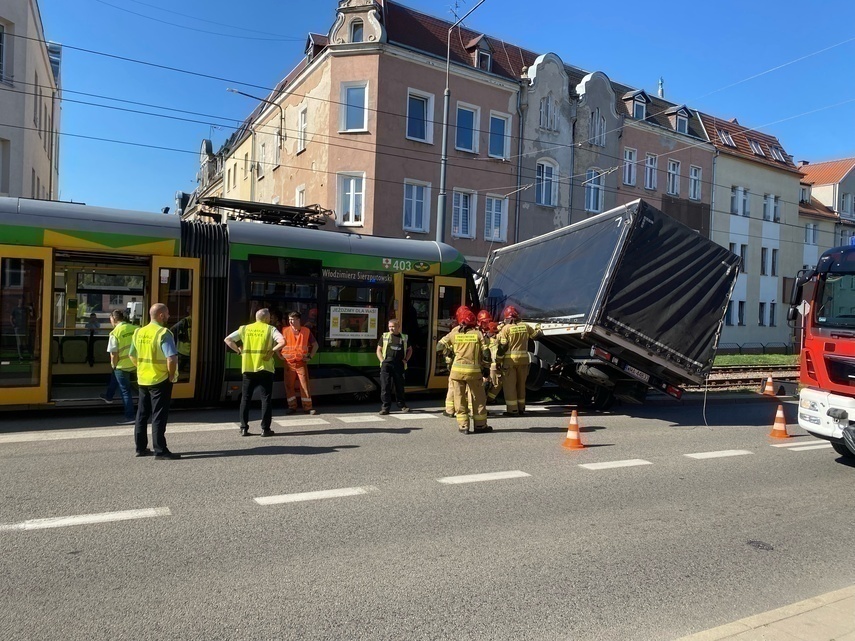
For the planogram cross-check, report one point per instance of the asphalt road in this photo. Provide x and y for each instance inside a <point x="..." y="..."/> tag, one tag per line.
<point x="548" y="550"/>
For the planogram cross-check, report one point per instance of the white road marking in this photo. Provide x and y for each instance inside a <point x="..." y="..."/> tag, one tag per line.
<point x="821" y="446"/>
<point x="605" y="466"/>
<point x="411" y="417"/>
<point x="296" y="422"/>
<point x="719" y="454"/>
<point x="103" y="432"/>
<point x="86" y="519"/>
<point x="477" y="478"/>
<point x="536" y="409"/>
<point x="797" y="442"/>
<point x="360" y="418"/>
<point x="313" y="496"/>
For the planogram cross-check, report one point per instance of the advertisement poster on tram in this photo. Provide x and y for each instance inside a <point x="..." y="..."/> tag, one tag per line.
<point x="353" y="322"/>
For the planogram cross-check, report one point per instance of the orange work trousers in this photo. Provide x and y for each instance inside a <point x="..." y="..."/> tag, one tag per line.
<point x="295" y="372"/>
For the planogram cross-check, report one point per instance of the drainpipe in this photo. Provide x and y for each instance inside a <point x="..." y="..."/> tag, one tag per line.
<point x="253" y="172"/>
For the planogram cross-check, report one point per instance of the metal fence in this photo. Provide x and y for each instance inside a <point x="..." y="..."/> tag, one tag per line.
<point x="726" y="349"/>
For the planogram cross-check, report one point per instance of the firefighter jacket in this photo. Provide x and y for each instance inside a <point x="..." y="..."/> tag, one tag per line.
<point x="513" y="342"/>
<point x="471" y="353"/>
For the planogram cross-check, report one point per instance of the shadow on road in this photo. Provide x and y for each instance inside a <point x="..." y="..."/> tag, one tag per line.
<point x="268" y="450"/>
<point x="350" y="431"/>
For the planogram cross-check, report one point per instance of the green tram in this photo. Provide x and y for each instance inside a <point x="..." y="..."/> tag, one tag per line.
<point x="64" y="267"/>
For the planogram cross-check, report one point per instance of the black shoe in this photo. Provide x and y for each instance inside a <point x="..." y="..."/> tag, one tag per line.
<point x="267" y="432"/>
<point x="485" y="428"/>
<point x="166" y="456"/>
<point x="383" y="412"/>
<point x="145" y="452"/>
<point x="510" y="414"/>
<point x="244" y="431"/>
<point x="405" y="409"/>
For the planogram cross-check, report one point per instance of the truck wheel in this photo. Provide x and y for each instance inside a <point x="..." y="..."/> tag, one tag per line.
<point x="841" y="449"/>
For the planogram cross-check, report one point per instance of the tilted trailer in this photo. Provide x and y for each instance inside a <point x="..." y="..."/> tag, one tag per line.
<point x="628" y="300"/>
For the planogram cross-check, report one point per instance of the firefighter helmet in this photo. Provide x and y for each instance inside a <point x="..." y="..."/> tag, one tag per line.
<point x="510" y="312"/>
<point x="492" y="327"/>
<point x="484" y="318"/>
<point x="465" y="316"/>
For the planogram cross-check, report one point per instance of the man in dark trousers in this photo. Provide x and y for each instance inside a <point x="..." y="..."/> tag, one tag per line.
<point x="156" y="359"/>
<point x="259" y="340"/>
<point x="393" y="354"/>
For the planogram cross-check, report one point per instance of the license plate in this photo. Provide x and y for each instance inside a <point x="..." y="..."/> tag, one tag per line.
<point x="629" y="369"/>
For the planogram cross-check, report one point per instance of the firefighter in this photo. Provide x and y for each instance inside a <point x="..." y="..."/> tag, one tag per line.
<point x="495" y="385"/>
<point x="513" y="349"/>
<point x="468" y="371"/>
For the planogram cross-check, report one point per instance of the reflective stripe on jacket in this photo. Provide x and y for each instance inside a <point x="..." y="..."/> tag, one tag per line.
<point x="124" y="335"/>
<point x="514" y="338"/>
<point x="296" y="345"/>
<point x="469" y="346"/>
<point x="151" y="362"/>
<point x="385" y="347"/>
<point x="257" y="339"/>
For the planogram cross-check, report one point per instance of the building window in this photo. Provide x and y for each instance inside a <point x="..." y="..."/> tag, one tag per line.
<point x="2" y="53"/>
<point x="725" y="138"/>
<point x="846" y="204"/>
<point x="594" y="191"/>
<point x="804" y="194"/>
<point x="629" y="168"/>
<point x="639" y="109"/>
<point x="357" y="30"/>
<point x="229" y="178"/>
<point x="732" y="247"/>
<point x="768" y="199"/>
<point x="262" y="160"/>
<point x="739" y="201"/>
<point x="416" y="206"/>
<point x="598" y="128"/>
<point x="302" y="123"/>
<point x="674" y="177"/>
<point x="682" y="125"/>
<point x="496" y="219"/>
<point x="549" y="113"/>
<point x="740" y="313"/>
<point x="778" y="154"/>
<point x="761" y="315"/>
<point x="810" y="234"/>
<point x="300" y="196"/>
<point x="728" y="316"/>
<point x="234" y="175"/>
<point x="467" y="128"/>
<point x="743" y="255"/>
<point x="756" y="148"/>
<point x="500" y="142"/>
<point x="650" y="163"/>
<point x="694" y="182"/>
<point x="772" y="321"/>
<point x="245" y="166"/>
<point x="774" y="269"/>
<point x="420" y="116"/>
<point x="351" y="198"/>
<point x="484" y="61"/>
<point x="462" y="220"/>
<point x="36" y="93"/>
<point x="764" y="257"/>
<point x="354" y="112"/>
<point x="545" y="184"/>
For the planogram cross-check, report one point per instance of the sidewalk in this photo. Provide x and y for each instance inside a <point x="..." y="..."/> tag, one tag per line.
<point x="828" y="617"/>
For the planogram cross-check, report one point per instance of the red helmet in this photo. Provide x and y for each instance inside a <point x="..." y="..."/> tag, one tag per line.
<point x="484" y="318"/>
<point x="492" y="327"/>
<point x="510" y="312"/>
<point x="465" y="316"/>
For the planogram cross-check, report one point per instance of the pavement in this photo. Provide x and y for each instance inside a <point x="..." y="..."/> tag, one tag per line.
<point x="827" y="617"/>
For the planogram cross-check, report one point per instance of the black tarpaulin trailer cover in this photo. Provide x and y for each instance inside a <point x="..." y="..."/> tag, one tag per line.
<point x="633" y="271"/>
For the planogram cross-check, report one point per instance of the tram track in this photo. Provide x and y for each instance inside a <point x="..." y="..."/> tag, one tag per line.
<point x="746" y="377"/>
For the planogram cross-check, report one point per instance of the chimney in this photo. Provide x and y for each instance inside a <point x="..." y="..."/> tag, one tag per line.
<point x="661" y="91"/>
<point x="734" y="121"/>
<point x="803" y="163"/>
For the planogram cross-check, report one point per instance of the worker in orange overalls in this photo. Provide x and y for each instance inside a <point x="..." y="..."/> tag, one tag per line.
<point x="513" y="349"/>
<point x="300" y="348"/>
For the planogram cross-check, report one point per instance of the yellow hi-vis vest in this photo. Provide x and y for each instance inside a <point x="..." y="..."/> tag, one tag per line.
<point x="257" y="340"/>
<point x="386" y="339"/>
<point x="151" y="362"/>
<point x="124" y="335"/>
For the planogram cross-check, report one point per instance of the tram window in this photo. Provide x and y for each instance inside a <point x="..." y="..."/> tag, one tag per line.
<point x="20" y="323"/>
<point x="176" y="294"/>
<point x="283" y="289"/>
<point x="100" y="293"/>
<point x="282" y="266"/>
<point x="365" y="298"/>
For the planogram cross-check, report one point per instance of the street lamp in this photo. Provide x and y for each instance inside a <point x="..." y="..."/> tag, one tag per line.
<point x="443" y="163"/>
<point x="269" y="102"/>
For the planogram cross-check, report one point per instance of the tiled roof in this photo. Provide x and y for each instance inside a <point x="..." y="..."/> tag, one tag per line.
<point x="827" y="173"/>
<point x="817" y="210"/>
<point x="657" y="110"/>
<point x="416" y="30"/>
<point x="742" y="137"/>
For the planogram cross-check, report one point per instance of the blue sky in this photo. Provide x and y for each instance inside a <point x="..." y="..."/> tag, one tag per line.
<point x="700" y="49"/>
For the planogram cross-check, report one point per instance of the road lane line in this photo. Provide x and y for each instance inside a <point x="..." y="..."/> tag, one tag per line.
<point x="797" y="442"/>
<point x="297" y="422"/>
<point x="477" y="478"/>
<point x="86" y="519"/>
<point x="360" y="418"/>
<point x="412" y="417"/>
<point x="605" y="466"/>
<point x="313" y="496"/>
<point x="719" y="454"/>
<point x="102" y="432"/>
<point x="821" y="446"/>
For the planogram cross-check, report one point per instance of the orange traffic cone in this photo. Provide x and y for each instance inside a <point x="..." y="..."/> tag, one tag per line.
<point x="769" y="389"/>
<point x="573" y="442"/>
<point x="779" y="429"/>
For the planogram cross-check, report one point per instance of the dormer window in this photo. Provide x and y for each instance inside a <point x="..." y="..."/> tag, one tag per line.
<point x="356" y="31"/>
<point x="682" y="124"/>
<point x="804" y="194"/>
<point x="639" y="109"/>
<point x="756" y="148"/>
<point x="485" y="60"/>
<point x="778" y="154"/>
<point x="726" y="138"/>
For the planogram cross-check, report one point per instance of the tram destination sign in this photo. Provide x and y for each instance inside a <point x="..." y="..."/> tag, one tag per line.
<point x="360" y="275"/>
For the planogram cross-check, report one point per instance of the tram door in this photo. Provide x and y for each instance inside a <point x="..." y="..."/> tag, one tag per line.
<point x="449" y="294"/>
<point x="25" y="314"/>
<point x="175" y="282"/>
